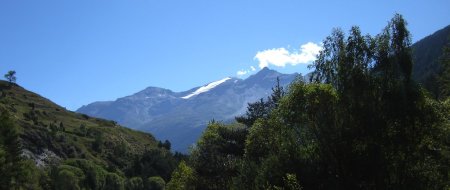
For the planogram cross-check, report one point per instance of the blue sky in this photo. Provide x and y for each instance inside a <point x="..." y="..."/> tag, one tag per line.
<point x="77" y="52"/>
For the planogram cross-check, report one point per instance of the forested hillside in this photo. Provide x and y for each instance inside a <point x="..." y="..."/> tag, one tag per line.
<point x="362" y="123"/>
<point x="427" y="56"/>
<point x="44" y="146"/>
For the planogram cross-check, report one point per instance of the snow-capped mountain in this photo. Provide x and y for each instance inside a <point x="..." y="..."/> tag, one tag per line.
<point x="181" y="117"/>
<point x="206" y="88"/>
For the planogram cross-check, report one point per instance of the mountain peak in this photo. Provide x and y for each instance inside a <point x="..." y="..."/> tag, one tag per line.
<point x="206" y="88"/>
<point x="266" y="69"/>
<point x="266" y="73"/>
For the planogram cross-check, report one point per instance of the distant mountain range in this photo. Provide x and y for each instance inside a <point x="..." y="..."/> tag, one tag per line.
<point x="181" y="117"/>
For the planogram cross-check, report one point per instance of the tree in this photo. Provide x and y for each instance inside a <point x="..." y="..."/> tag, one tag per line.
<point x="134" y="183"/>
<point x="97" y="145"/>
<point x="379" y="115"/>
<point x="11" y="77"/>
<point x="114" y="182"/>
<point x="9" y="142"/>
<point x="361" y="124"/>
<point x="155" y="183"/>
<point x="217" y="155"/>
<point x="444" y="75"/>
<point x="16" y="172"/>
<point x="67" y="177"/>
<point x="183" y="178"/>
<point x="166" y="144"/>
<point x="262" y="108"/>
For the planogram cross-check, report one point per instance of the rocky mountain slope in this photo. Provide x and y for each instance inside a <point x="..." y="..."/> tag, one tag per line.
<point x="180" y="117"/>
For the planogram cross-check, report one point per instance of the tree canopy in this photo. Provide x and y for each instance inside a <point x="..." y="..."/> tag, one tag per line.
<point x="361" y="123"/>
<point x="11" y="77"/>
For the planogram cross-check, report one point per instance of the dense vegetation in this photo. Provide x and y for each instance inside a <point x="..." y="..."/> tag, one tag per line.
<point x="361" y="123"/>
<point x="44" y="146"/>
<point x="428" y="56"/>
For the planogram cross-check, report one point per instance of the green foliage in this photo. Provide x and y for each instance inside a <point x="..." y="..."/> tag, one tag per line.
<point x="361" y="124"/>
<point x="427" y="58"/>
<point x="114" y="182"/>
<point x="183" y="178"/>
<point x="134" y="183"/>
<point x="443" y="77"/>
<point x="166" y="144"/>
<point x="261" y="109"/>
<point x="11" y="77"/>
<point x="15" y="172"/>
<point x="217" y="154"/>
<point x="73" y="151"/>
<point x="95" y="175"/>
<point x="291" y="182"/>
<point x="154" y="162"/>
<point x="97" y="145"/>
<point x="155" y="183"/>
<point x="254" y="111"/>
<point x="67" y="177"/>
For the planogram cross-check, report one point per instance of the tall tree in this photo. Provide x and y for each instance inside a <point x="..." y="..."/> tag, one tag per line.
<point x="11" y="77"/>
<point x="262" y="108"/>
<point x="15" y="171"/>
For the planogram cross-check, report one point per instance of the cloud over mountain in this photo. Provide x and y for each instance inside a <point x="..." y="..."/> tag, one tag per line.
<point x="281" y="57"/>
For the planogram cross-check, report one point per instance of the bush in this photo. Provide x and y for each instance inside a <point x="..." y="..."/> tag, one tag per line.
<point x="155" y="183"/>
<point x="113" y="182"/>
<point x="134" y="183"/>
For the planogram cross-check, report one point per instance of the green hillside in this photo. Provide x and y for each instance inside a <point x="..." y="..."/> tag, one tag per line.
<point x="426" y="54"/>
<point x="55" y="138"/>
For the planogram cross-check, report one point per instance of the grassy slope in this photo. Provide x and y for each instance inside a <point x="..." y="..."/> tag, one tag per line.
<point x="72" y="141"/>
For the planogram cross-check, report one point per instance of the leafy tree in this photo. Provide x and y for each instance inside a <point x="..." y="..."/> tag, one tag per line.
<point x="217" y="155"/>
<point x="97" y="145"/>
<point x="165" y="145"/>
<point x="83" y="130"/>
<point x="155" y="183"/>
<point x="254" y="111"/>
<point x="114" y="182"/>
<point x="444" y="75"/>
<point x="95" y="174"/>
<point x="16" y="172"/>
<point x="183" y="178"/>
<point x="61" y="126"/>
<point x="134" y="183"/>
<point x="153" y="162"/>
<point x="261" y="108"/>
<point x="379" y="116"/>
<point x="11" y="77"/>
<point x="361" y="124"/>
<point x="67" y="177"/>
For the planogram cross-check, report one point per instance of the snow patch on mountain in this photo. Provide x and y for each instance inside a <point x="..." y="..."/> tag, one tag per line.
<point x="206" y="88"/>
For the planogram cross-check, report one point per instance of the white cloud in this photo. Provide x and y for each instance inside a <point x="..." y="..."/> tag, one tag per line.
<point x="281" y="57"/>
<point x="241" y="72"/>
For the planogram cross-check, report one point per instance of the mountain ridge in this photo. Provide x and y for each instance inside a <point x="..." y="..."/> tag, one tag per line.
<point x="164" y="112"/>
